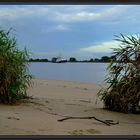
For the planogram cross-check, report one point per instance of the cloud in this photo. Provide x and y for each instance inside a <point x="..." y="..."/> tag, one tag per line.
<point x="85" y="15"/>
<point x="76" y="17"/>
<point x="104" y="47"/>
<point x="16" y="12"/>
<point x="62" y="28"/>
<point x="63" y="13"/>
<point x="59" y="28"/>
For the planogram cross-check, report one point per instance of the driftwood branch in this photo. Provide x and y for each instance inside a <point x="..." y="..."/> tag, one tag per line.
<point x="107" y="122"/>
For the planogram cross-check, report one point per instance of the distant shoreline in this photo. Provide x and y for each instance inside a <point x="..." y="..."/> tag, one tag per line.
<point x="104" y="59"/>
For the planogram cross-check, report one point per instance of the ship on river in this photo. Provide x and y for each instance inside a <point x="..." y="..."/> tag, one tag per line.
<point x="59" y="59"/>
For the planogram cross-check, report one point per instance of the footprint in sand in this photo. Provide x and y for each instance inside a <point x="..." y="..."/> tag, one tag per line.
<point x="16" y="113"/>
<point x="41" y="130"/>
<point x="47" y="101"/>
<point x="82" y="88"/>
<point x="85" y="89"/>
<point x="13" y="118"/>
<point x="39" y="104"/>
<point x="76" y="132"/>
<point x="93" y="131"/>
<point x="84" y="132"/>
<point x="85" y="101"/>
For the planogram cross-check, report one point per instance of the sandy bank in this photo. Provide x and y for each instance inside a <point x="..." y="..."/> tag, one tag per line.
<point x="52" y="100"/>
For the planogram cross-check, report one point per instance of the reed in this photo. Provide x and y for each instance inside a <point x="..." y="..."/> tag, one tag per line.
<point x="123" y="80"/>
<point x="14" y="77"/>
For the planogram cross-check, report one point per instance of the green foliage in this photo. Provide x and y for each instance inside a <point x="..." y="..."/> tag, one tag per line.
<point x="72" y="59"/>
<point x="38" y="60"/>
<point x="14" y="79"/>
<point x="123" y="91"/>
<point x="105" y="59"/>
<point x="91" y="60"/>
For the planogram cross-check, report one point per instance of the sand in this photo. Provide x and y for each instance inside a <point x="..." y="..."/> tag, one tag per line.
<point x="53" y="100"/>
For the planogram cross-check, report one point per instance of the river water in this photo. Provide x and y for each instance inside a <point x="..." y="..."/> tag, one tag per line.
<point x="78" y="72"/>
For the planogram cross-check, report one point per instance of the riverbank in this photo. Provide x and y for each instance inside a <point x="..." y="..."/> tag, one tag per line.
<point x="53" y="100"/>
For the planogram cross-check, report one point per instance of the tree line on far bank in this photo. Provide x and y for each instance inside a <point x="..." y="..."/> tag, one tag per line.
<point x="73" y="59"/>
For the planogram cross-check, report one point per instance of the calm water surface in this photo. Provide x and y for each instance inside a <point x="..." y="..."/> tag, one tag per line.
<point x="78" y="72"/>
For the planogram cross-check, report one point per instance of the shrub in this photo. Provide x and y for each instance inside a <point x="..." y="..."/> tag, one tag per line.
<point x="123" y="81"/>
<point x="14" y="79"/>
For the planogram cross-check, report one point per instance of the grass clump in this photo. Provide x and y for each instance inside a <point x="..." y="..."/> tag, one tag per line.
<point x="123" y="91"/>
<point x="14" y="77"/>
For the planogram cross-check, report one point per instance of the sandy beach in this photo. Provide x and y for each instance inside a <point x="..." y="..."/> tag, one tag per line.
<point x="54" y="100"/>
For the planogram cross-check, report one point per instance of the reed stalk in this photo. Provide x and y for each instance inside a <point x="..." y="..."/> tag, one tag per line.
<point x="14" y="77"/>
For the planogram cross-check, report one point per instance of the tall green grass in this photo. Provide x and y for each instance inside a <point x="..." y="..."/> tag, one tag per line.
<point x="123" y="92"/>
<point x="14" y="77"/>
